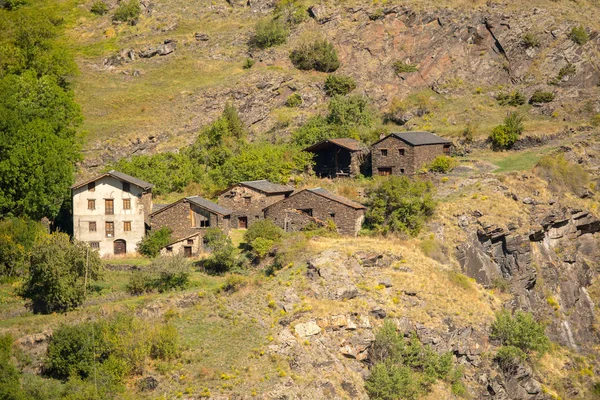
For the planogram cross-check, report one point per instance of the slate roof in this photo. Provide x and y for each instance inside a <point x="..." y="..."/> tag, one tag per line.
<point x="267" y="187"/>
<point x="418" y="138"/>
<point x="158" y="207"/>
<point x="209" y="205"/>
<point x="120" y="176"/>
<point x="336" y="198"/>
<point x="346" y="143"/>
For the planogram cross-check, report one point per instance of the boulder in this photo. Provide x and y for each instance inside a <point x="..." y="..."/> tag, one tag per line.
<point x="306" y="329"/>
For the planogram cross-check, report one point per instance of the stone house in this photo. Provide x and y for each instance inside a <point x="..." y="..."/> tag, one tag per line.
<point x="189" y="246"/>
<point x="292" y="214"/>
<point x="249" y="199"/>
<point x="405" y="153"/>
<point x="338" y="157"/>
<point x="110" y="212"/>
<point x="190" y="216"/>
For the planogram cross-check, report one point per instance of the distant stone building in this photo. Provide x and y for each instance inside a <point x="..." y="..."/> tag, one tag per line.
<point x="191" y="216"/>
<point x="405" y="153"/>
<point x="190" y="246"/>
<point x="249" y="199"/>
<point x="110" y="212"/>
<point x="338" y="157"/>
<point x="298" y="210"/>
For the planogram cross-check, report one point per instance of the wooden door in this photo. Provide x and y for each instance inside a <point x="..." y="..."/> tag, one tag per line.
<point x="243" y="222"/>
<point x="187" y="251"/>
<point x="120" y="247"/>
<point x="384" y="171"/>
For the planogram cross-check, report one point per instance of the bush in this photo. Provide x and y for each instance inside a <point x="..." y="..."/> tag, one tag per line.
<point x="530" y="40"/>
<point x="128" y="11"/>
<point x="561" y="174"/>
<point x="164" y="274"/>
<point x="290" y="11"/>
<point x="319" y="56"/>
<point x="579" y="35"/>
<point x="539" y="96"/>
<point x="520" y="331"/>
<point x="139" y="283"/>
<point x="58" y="272"/>
<point x="10" y="385"/>
<point x="514" y="99"/>
<point x="293" y="101"/>
<point x="399" y="204"/>
<point x="165" y="344"/>
<point x="442" y="164"/>
<point x="566" y="71"/>
<point x="12" y="4"/>
<point x="504" y="136"/>
<point x="151" y="245"/>
<point x="401" y="67"/>
<point x="339" y="85"/>
<point x="269" y="33"/>
<point x="223" y="257"/>
<point x="249" y="63"/>
<point x="99" y="8"/>
<point x="262" y="236"/>
<point x="405" y="369"/>
<point x="350" y="111"/>
<point x="509" y="357"/>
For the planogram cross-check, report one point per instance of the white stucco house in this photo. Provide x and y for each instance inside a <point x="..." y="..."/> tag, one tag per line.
<point x="110" y="212"/>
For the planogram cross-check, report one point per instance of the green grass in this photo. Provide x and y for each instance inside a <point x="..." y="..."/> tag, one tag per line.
<point x="520" y="161"/>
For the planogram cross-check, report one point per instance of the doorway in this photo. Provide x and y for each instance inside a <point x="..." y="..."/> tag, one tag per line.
<point x="120" y="247"/>
<point x="243" y="222"/>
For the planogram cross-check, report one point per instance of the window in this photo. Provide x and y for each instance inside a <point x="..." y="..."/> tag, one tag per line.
<point x="109" y="227"/>
<point x="247" y="200"/>
<point x="126" y="187"/>
<point x="92" y="187"/>
<point x="92" y="227"/>
<point x="126" y="204"/>
<point x="190" y="241"/>
<point x="384" y="152"/>
<point x="401" y="152"/>
<point x="384" y="171"/>
<point x="332" y="215"/>
<point x="401" y="170"/>
<point x="127" y="226"/>
<point x="169" y="249"/>
<point x="446" y="149"/>
<point x="91" y="204"/>
<point x="109" y="206"/>
<point x="95" y="245"/>
<point x="200" y="219"/>
<point x="307" y="211"/>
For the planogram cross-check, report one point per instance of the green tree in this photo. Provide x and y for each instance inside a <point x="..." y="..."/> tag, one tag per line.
<point x="262" y="236"/>
<point x="38" y="145"/>
<point x="521" y="331"/>
<point x="10" y="385"/>
<point x="350" y="111"/>
<point x="319" y="55"/>
<point x="399" y="204"/>
<point x="504" y="136"/>
<point x="223" y="257"/>
<point x="150" y="245"/>
<point x="58" y="273"/>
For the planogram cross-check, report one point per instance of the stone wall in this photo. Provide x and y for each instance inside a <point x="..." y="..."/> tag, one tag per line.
<point x="235" y="199"/>
<point x="179" y="219"/>
<point x="347" y="219"/>
<point x="177" y="248"/>
<point x="426" y="154"/>
<point x="414" y="158"/>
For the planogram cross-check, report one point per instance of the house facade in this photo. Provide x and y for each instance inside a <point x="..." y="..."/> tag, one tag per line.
<point x="249" y="199"/>
<point x="110" y="212"/>
<point x="405" y="153"/>
<point x="335" y="158"/>
<point x="190" y="246"/>
<point x="298" y="210"/>
<point x="190" y="216"/>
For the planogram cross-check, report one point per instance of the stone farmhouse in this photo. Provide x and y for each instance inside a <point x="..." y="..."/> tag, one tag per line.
<point x="317" y="205"/>
<point x="249" y="199"/>
<point x="342" y="157"/>
<point x="405" y="153"/>
<point x="110" y="212"/>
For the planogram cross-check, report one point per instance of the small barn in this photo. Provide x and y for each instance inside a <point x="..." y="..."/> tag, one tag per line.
<point x="189" y="216"/>
<point x="335" y="158"/>
<point x="248" y="199"/>
<point x="189" y="246"/>
<point x="405" y="153"/>
<point x="298" y="210"/>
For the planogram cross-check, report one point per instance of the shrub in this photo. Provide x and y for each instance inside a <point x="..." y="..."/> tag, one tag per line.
<point x="261" y="236"/>
<point x="269" y="33"/>
<point x="291" y="11"/>
<point x="509" y="357"/>
<point x="223" y="257"/>
<point x="520" y="331"/>
<point x="17" y="237"/>
<point x="442" y="164"/>
<point x="293" y="101"/>
<point x="579" y="35"/>
<point x="165" y="344"/>
<point x="539" y="96"/>
<point x="351" y="110"/>
<point x="172" y="272"/>
<point x="566" y="71"/>
<point x="339" y="85"/>
<point x="530" y="40"/>
<point x="561" y="174"/>
<point x="249" y="63"/>
<point x="399" y="204"/>
<point x="504" y="136"/>
<point x="319" y="56"/>
<point x="401" y="67"/>
<point x="99" y="8"/>
<point x="10" y="386"/>
<point x="467" y="133"/>
<point x="12" y="4"/>
<point x="139" y="283"/>
<point x="514" y="99"/>
<point x="128" y="11"/>
<point x="57" y="274"/>
<point x="151" y="245"/>
<point x="434" y="250"/>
